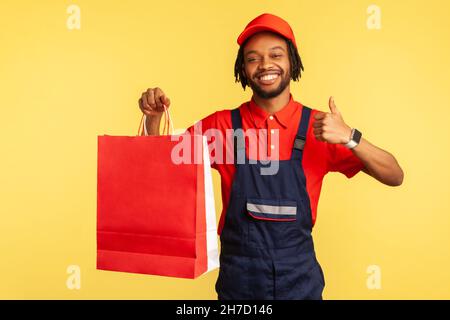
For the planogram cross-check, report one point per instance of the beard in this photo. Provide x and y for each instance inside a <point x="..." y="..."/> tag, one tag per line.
<point x="284" y="82"/>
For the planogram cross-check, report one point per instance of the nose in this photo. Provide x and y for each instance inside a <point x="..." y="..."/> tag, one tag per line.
<point x="265" y="63"/>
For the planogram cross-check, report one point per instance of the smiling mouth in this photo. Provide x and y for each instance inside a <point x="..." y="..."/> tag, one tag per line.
<point x="268" y="79"/>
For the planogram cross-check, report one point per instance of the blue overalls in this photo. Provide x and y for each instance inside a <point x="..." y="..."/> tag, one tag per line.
<point x="267" y="249"/>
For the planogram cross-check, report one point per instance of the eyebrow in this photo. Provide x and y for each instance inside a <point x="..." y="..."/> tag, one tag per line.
<point x="273" y="48"/>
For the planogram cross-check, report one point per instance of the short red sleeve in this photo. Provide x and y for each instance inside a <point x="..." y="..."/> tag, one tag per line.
<point x="342" y="159"/>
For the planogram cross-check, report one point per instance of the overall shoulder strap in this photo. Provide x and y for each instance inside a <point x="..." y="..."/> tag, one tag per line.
<point x="300" y="138"/>
<point x="238" y="137"/>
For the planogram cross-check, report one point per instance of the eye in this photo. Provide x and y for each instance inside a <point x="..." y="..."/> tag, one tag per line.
<point x="277" y="55"/>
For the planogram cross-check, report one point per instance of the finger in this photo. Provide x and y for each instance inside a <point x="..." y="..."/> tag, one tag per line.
<point x="145" y="108"/>
<point x="141" y="105"/>
<point x="332" y="106"/>
<point x="151" y="99"/>
<point x="317" y="131"/>
<point x="166" y="101"/>
<point x="143" y="101"/>
<point x="320" y="115"/>
<point x="319" y="137"/>
<point x="158" y="95"/>
<point x="145" y="97"/>
<point x="318" y="124"/>
<point x="161" y="98"/>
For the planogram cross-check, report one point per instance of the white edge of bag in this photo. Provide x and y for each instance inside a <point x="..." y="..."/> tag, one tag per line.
<point x="211" y="226"/>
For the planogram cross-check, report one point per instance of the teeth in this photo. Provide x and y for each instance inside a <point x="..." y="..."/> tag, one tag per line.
<point x="269" y="77"/>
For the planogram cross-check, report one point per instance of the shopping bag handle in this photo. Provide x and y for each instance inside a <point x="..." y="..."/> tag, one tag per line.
<point x="168" y="124"/>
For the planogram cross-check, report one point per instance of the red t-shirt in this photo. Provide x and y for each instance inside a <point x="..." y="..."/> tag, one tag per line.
<point x="319" y="157"/>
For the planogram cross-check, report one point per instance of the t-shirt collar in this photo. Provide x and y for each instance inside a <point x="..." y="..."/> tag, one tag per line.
<point x="259" y="115"/>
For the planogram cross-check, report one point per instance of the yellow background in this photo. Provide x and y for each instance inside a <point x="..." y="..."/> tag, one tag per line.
<point x="61" y="88"/>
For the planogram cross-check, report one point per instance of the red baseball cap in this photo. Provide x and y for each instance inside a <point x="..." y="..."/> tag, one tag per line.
<point x="267" y="22"/>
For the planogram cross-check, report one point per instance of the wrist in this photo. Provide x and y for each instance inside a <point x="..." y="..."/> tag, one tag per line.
<point x="152" y="124"/>
<point x="347" y="136"/>
<point x="154" y="115"/>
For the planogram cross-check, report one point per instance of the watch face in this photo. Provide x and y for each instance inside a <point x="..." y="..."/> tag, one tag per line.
<point x="357" y="136"/>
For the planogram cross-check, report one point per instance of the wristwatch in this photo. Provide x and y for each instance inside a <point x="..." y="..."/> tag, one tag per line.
<point x="355" y="138"/>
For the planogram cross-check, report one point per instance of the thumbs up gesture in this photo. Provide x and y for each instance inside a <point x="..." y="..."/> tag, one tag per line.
<point x="330" y="126"/>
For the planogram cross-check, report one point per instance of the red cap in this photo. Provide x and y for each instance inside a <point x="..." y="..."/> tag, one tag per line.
<point x="267" y="22"/>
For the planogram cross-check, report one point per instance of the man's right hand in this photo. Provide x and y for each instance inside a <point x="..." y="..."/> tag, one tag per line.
<point x="152" y="101"/>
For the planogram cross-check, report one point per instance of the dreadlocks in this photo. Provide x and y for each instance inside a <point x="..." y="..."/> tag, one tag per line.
<point x="294" y="59"/>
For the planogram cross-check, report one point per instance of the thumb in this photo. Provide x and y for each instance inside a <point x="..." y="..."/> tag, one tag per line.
<point x="332" y="106"/>
<point x="165" y="100"/>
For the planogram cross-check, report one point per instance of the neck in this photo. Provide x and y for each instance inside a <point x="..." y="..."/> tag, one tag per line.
<point x="274" y="104"/>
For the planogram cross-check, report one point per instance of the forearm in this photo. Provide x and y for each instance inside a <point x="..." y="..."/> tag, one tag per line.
<point x="152" y="123"/>
<point x="379" y="163"/>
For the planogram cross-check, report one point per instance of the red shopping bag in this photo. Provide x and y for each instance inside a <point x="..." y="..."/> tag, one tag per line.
<point x="155" y="216"/>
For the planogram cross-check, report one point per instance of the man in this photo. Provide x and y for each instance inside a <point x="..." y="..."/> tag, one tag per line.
<point x="267" y="250"/>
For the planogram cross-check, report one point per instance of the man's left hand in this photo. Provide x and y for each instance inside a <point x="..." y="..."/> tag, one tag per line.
<point x="330" y="126"/>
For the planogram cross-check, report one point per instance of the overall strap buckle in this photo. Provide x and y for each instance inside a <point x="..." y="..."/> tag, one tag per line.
<point x="300" y="138"/>
<point x="299" y="142"/>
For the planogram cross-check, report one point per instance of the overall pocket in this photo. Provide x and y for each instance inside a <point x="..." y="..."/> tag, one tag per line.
<point x="273" y="223"/>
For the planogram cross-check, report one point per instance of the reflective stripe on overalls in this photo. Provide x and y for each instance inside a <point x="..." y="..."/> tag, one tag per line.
<point x="267" y="250"/>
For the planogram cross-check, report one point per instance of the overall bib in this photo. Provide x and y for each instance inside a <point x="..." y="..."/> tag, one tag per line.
<point x="267" y="249"/>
